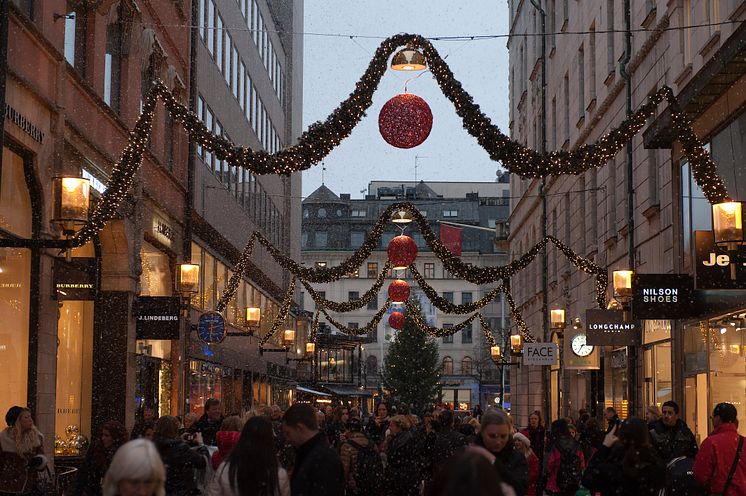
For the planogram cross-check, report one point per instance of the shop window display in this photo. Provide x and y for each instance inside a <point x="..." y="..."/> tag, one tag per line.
<point x="156" y="278"/>
<point x="658" y="384"/>
<point x="205" y="381"/>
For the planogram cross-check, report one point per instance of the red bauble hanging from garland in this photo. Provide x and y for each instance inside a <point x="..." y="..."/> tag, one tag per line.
<point x="396" y="320"/>
<point x="399" y="291"/>
<point x="405" y="121"/>
<point x="402" y="251"/>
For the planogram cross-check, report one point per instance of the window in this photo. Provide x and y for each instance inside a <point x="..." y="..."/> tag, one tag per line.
<point x="320" y="265"/>
<point x="448" y="296"/>
<point x="447" y="365"/>
<point x="567" y="107"/>
<point x="450" y="213"/>
<point x="466" y="365"/>
<point x="357" y="213"/>
<point x="75" y="39"/>
<point x="466" y="297"/>
<point x="447" y="339"/>
<point x="321" y="214"/>
<point x="373" y="304"/>
<point x="210" y="33"/>
<point x="467" y="334"/>
<point x="429" y="271"/>
<point x="610" y="55"/>
<point x="423" y="213"/>
<point x="113" y="61"/>
<point x="353" y="325"/>
<point x="305" y="213"/>
<point x="304" y="239"/>
<point x="372" y="270"/>
<point x="581" y="82"/>
<point x="219" y="40"/>
<point x="356" y="239"/>
<point x="592" y="60"/>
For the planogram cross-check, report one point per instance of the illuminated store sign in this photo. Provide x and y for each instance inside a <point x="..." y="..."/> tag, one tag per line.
<point x="76" y="279"/>
<point x="158" y="317"/>
<point x="608" y="328"/>
<point x="661" y="296"/>
<point x="712" y="265"/>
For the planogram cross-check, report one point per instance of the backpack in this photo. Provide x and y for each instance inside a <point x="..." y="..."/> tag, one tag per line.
<point x="368" y="472"/>
<point x="570" y="470"/>
<point x="680" y="479"/>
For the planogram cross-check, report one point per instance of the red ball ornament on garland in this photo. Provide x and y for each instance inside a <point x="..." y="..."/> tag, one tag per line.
<point x="405" y="121"/>
<point x="396" y="320"/>
<point x="402" y="251"/>
<point x="399" y="291"/>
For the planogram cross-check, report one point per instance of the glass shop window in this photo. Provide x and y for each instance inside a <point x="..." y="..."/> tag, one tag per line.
<point x="156" y="278"/>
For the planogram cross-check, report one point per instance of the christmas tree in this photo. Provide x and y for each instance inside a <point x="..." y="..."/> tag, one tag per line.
<point x="412" y="367"/>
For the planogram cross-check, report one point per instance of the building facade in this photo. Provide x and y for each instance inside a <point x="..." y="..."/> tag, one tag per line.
<point x="79" y="345"/>
<point x="695" y="47"/>
<point x="334" y="226"/>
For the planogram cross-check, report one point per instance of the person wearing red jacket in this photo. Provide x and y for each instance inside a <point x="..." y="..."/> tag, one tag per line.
<point x="523" y="444"/>
<point x="717" y="454"/>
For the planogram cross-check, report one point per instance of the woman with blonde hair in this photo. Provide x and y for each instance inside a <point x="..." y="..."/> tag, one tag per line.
<point x="135" y="470"/>
<point x="21" y="452"/>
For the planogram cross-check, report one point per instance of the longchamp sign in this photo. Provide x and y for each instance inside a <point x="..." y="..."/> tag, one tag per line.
<point x="608" y="328"/>
<point x="661" y="296"/>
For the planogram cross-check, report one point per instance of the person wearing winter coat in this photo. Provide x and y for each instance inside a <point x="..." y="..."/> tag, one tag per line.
<point x="180" y="460"/>
<point x="145" y="420"/>
<point x="252" y="466"/>
<point x="536" y="433"/>
<point x="717" y="454"/>
<point x="402" y="472"/>
<point x="226" y="439"/>
<point x="21" y="452"/>
<point x="348" y="453"/>
<point x="562" y="449"/>
<point x="98" y="459"/>
<point x="496" y="435"/>
<point x="210" y="421"/>
<point x="626" y="463"/>
<point x="378" y="425"/>
<point x="447" y="442"/>
<point x="671" y="436"/>
<point x="523" y="444"/>
<point x="318" y="469"/>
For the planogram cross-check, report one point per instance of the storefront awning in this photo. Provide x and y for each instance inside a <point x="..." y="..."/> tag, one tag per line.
<point x="340" y="390"/>
<point x="307" y="390"/>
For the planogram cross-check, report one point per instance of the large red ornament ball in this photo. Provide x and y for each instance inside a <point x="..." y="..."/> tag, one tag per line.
<point x="402" y="251"/>
<point x="396" y="320"/>
<point x="405" y="121"/>
<point x="399" y="290"/>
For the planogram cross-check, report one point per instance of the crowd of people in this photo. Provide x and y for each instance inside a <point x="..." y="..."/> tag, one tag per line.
<point x="305" y="451"/>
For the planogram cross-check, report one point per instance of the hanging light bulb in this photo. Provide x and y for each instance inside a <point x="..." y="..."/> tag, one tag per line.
<point x="408" y="59"/>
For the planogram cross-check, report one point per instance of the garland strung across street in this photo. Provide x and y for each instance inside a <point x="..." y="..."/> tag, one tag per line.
<point x="518" y="318"/>
<point x="282" y="314"/>
<point x="360" y="331"/>
<point x="321" y="138"/>
<point x="351" y="305"/>
<point x="438" y="332"/>
<point x="448" y="307"/>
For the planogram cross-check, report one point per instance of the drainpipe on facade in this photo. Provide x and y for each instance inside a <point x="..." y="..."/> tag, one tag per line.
<point x="189" y="207"/>
<point x="545" y="376"/>
<point x="631" y="350"/>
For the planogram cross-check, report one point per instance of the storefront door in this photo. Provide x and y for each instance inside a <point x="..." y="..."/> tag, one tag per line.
<point x="695" y="399"/>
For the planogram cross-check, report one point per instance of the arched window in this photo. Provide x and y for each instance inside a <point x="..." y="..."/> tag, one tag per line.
<point x="447" y="365"/>
<point x="466" y="366"/>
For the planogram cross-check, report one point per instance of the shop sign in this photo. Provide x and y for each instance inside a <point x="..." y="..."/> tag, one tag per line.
<point x="158" y="317"/>
<point x="540" y="353"/>
<point x="74" y="280"/>
<point x="712" y="265"/>
<point x="163" y="231"/>
<point x="96" y="183"/>
<point x="24" y="124"/>
<point x="661" y="296"/>
<point x="608" y="328"/>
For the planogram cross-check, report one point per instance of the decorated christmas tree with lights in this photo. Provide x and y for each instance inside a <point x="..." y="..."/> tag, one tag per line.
<point x="412" y="367"/>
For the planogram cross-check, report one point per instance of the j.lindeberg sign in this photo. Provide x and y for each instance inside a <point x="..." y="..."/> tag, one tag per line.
<point x="157" y="317"/>
<point x="661" y="296"/>
<point x="608" y="328"/>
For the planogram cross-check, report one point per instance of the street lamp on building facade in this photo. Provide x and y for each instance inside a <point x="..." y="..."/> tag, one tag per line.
<point x="727" y="228"/>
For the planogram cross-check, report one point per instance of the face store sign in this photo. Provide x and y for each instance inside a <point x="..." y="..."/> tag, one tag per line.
<point x="661" y="296"/>
<point x="608" y="328"/>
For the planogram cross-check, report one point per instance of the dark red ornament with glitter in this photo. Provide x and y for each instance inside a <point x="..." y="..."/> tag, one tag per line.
<point x="405" y="121"/>
<point x="396" y="320"/>
<point x="402" y="251"/>
<point x="399" y="290"/>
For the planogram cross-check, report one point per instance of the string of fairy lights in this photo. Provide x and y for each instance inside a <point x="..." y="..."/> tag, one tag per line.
<point x="322" y="137"/>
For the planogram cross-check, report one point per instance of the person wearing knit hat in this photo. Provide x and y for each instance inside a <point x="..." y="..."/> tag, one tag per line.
<point x="21" y="452"/>
<point x="523" y="444"/>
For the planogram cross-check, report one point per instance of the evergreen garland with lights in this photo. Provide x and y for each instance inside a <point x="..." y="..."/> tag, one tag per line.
<point x="359" y="331"/>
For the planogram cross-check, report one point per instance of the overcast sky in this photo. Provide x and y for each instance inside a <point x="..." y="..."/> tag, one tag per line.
<point x="332" y="66"/>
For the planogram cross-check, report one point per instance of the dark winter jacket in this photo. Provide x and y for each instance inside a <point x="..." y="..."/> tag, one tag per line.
<point x="606" y="473"/>
<point x="715" y="459"/>
<point x="91" y="472"/>
<point x="376" y="432"/>
<point x="318" y="469"/>
<point x="512" y="466"/>
<point x="447" y="443"/>
<point x="403" y="466"/>
<point x="673" y="442"/>
<point x="536" y="436"/>
<point x="180" y="461"/>
<point x="140" y="427"/>
<point x="208" y="428"/>
<point x="561" y="449"/>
